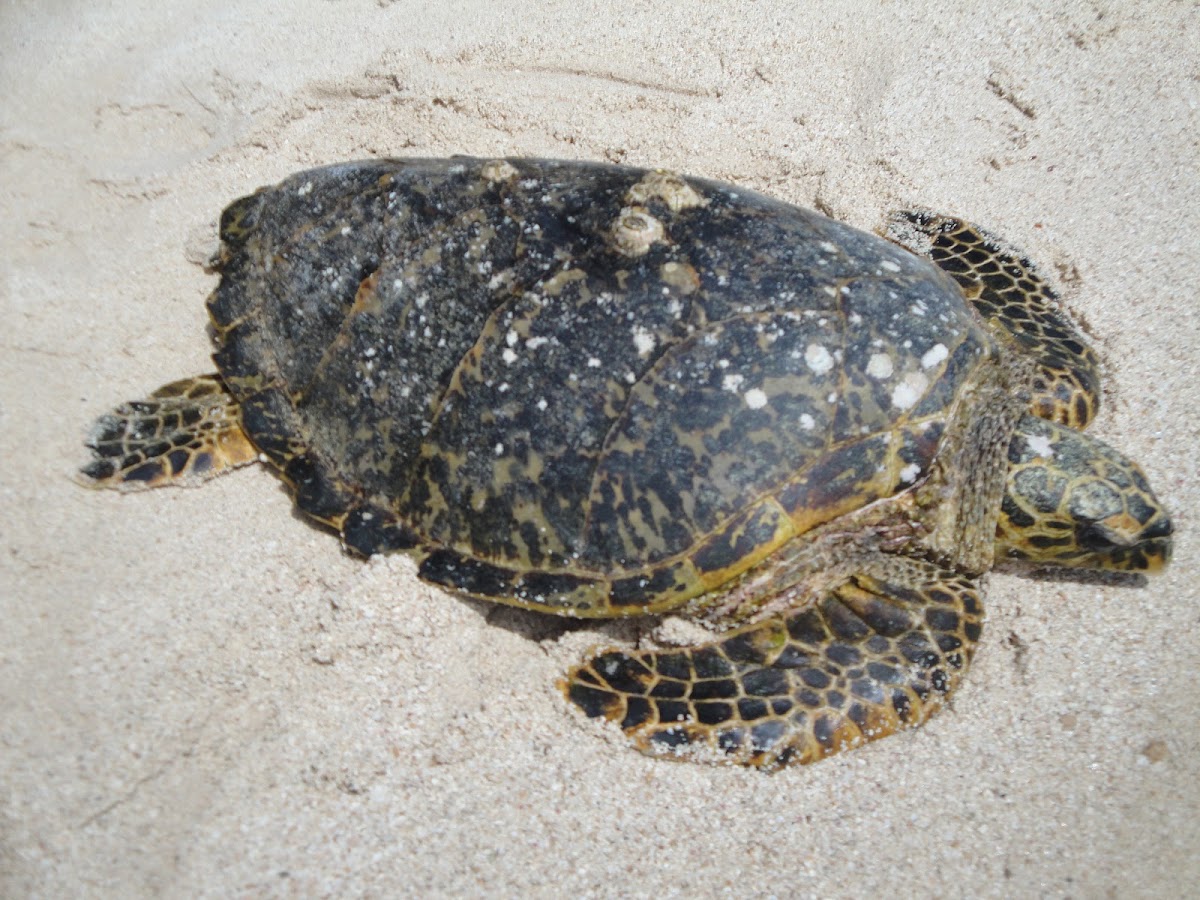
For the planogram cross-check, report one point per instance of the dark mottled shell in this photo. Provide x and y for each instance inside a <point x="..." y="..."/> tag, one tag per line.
<point x="582" y="388"/>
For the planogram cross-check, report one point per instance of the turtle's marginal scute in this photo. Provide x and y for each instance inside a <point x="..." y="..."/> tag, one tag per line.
<point x="367" y="530"/>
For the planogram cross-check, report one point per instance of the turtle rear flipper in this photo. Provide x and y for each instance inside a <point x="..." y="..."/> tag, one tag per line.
<point x="878" y="655"/>
<point x="184" y="433"/>
<point x="1017" y="304"/>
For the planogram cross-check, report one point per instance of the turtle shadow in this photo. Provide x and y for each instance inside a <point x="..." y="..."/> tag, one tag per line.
<point x="1076" y="576"/>
<point x="535" y="626"/>
<point x="539" y="627"/>
<point x="528" y="623"/>
<point x="542" y="627"/>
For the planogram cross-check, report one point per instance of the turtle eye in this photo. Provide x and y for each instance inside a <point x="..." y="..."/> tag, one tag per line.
<point x="1160" y="529"/>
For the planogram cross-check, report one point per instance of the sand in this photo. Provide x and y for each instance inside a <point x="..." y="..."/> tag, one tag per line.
<point x="201" y="695"/>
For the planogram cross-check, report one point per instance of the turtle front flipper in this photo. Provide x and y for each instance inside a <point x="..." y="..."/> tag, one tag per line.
<point x="1017" y="304"/>
<point x="878" y="655"/>
<point x="185" y="432"/>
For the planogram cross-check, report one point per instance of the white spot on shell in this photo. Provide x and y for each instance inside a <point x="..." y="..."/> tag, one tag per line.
<point x="756" y="398"/>
<point x="879" y="366"/>
<point x="909" y="473"/>
<point x="889" y="266"/>
<point x="906" y="394"/>
<point x="643" y="340"/>
<point x="593" y="362"/>
<point x="499" y="449"/>
<point x="732" y="383"/>
<point x="807" y="422"/>
<point x="934" y="355"/>
<point x="509" y="356"/>
<point x="1040" y="445"/>
<point x="818" y="359"/>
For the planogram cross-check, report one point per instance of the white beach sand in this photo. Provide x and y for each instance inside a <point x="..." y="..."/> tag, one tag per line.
<point x="201" y="695"/>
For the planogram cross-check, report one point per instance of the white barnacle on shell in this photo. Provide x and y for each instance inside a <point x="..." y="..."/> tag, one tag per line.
<point x="498" y="170"/>
<point x="668" y="187"/>
<point x="635" y="230"/>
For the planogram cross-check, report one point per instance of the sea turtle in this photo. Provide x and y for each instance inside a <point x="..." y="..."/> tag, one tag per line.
<point x="600" y="391"/>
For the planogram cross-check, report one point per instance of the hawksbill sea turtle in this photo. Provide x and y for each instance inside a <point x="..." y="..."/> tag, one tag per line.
<point x="598" y="391"/>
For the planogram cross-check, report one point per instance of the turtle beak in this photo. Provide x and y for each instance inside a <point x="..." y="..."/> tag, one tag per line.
<point x="1153" y="547"/>
<point x="1113" y="545"/>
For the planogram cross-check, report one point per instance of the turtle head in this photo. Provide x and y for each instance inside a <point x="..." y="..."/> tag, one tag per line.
<point x="1071" y="500"/>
